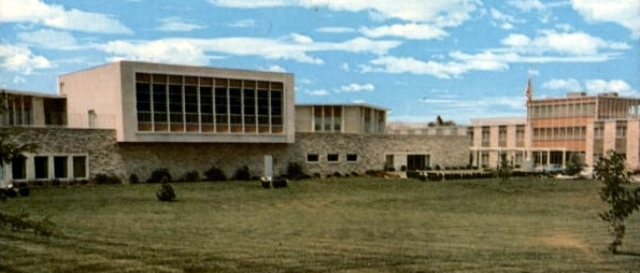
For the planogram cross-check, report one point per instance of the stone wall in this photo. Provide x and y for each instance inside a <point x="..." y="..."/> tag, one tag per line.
<point x="98" y="144"/>
<point x="371" y="150"/>
<point x="122" y="159"/>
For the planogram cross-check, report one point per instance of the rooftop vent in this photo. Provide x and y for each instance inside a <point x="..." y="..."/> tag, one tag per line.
<point x="576" y="94"/>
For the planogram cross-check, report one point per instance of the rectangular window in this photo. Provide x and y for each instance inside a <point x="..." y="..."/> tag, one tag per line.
<point x="79" y="167"/>
<point x="352" y="157"/>
<point x="60" y="167"/>
<point x="312" y="157"/>
<point x="19" y="167"/>
<point x="41" y="164"/>
<point x="333" y="157"/>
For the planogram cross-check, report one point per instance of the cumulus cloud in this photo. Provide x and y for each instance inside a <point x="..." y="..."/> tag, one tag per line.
<point x="569" y="84"/>
<point x="49" y="39"/>
<point x="336" y="29"/>
<point x="273" y="68"/>
<point x="56" y="16"/>
<point x="600" y="86"/>
<point x="293" y="47"/>
<point x="504" y="21"/>
<point x="20" y="59"/>
<point x="571" y="43"/>
<point x="408" y="31"/>
<point x="442" y="13"/>
<point x="317" y="92"/>
<point x="176" y="24"/>
<point x="354" y="87"/>
<point x="621" y="12"/>
<point x="527" y="5"/>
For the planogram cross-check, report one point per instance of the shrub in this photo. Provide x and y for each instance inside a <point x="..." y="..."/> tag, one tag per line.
<point x="294" y="171"/>
<point x="355" y="174"/>
<point x="242" y="173"/>
<point x="215" y="174"/>
<point x="160" y="175"/>
<point x="24" y="191"/>
<point x="279" y="182"/>
<point x="403" y="168"/>
<point x="337" y="174"/>
<point x="166" y="193"/>
<point x="105" y="179"/>
<point x="55" y="182"/>
<point x="192" y="176"/>
<point x="437" y="167"/>
<point x="133" y="179"/>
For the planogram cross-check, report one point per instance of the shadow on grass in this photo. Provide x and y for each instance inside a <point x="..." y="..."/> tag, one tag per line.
<point x="628" y="253"/>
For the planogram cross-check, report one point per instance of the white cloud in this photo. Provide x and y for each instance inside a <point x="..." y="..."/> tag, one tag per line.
<point x="354" y="87"/>
<point x="19" y="80"/>
<point x="245" y="23"/>
<point x="301" y="39"/>
<point x="600" y="86"/>
<point x="345" y="67"/>
<point x="294" y="47"/>
<point x="527" y="5"/>
<point x="317" y="92"/>
<point x="502" y="20"/>
<point x="336" y="29"/>
<point x="621" y="12"/>
<point x="55" y="16"/>
<point x="176" y="24"/>
<point x="569" y="84"/>
<point x="20" y="59"/>
<point x="408" y="31"/>
<point x="571" y="43"/>
<point x="273" y="68"/>
<point x="442" y="13"/>
<point x="49" y="39"/>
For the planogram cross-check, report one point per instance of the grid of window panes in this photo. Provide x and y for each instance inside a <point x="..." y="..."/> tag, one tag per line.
<point x="177" y="103"/>
<point x="327" y="118"/>
<point x="576" y="109"/>
<point x="560" y="133"/>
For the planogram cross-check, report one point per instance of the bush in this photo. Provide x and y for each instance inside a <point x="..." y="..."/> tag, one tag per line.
<point x="403" y="168"/>
<point x="55" y="182"/>
<point x="215" y="174"/>
<point x="437" y="167"/>
<point x="166" y="193"/>
<point x="294" y="171"/>
<point x="337" y="174"/>
<point x="160" y="175"/>
<point x="242" y="173"/>
<point x="192" y="176"/>
<point x="133" y="179"/>
<point x="279" y="183"/>
<point x="24" y="191"/>
<point x="105" y="179"/>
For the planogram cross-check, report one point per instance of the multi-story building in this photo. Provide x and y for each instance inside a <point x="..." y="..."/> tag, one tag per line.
<point x="128" y="118"/>
<point x="556" y="128"/>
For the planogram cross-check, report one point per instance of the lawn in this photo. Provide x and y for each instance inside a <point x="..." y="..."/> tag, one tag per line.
<point x="328" y="225"/>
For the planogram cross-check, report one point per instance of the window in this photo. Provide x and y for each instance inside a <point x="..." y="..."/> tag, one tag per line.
<point x="352" y="157"/>
<point x="621" y="130"/>
<point x="418" y="161"/>
<point x="19" y="167"/>
<point x="60" y="168"/>
<point x="312" y="157"/>
<point x="332" y="157"/>
<point x="41" y="164"/>
<point x="79" y="167"/>
<point x="485" y="135"/>
<point x="182" y="103"/>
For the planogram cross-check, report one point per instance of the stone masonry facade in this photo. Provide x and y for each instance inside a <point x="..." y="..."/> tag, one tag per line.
<point x="122" y="159"/>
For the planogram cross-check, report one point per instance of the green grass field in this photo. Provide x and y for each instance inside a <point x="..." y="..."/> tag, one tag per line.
<point x="329" y="225"/>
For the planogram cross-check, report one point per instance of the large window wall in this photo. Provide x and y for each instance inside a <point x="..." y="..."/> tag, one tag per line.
<point x="177" y="103"/>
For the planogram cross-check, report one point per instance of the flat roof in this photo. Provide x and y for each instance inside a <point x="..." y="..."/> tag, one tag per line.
<point x="32" y="94"/>
<point x="345" y="104"/>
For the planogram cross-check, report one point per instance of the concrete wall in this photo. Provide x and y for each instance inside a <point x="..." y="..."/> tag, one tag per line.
<point x="97" y="89"/>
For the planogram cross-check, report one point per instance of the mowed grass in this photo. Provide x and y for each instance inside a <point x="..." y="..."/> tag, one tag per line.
<point x="329" y="225"/>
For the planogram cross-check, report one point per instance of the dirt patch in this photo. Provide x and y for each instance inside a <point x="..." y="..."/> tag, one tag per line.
<point x="564" y="240"/>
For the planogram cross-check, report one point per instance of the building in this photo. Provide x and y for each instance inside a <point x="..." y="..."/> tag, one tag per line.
<point x="556" y="128"/>
<point x="127" y="118"/>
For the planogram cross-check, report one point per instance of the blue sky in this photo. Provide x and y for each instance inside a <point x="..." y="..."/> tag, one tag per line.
<point x="460" y="59"/>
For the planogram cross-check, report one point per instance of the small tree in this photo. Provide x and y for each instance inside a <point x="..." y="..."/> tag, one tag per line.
<point x="575" y="164"/>
<point x="503" y="172"/>
<point x="611" y="170"/>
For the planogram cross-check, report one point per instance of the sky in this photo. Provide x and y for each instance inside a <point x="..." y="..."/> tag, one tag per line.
<point x="458" y="59"/>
